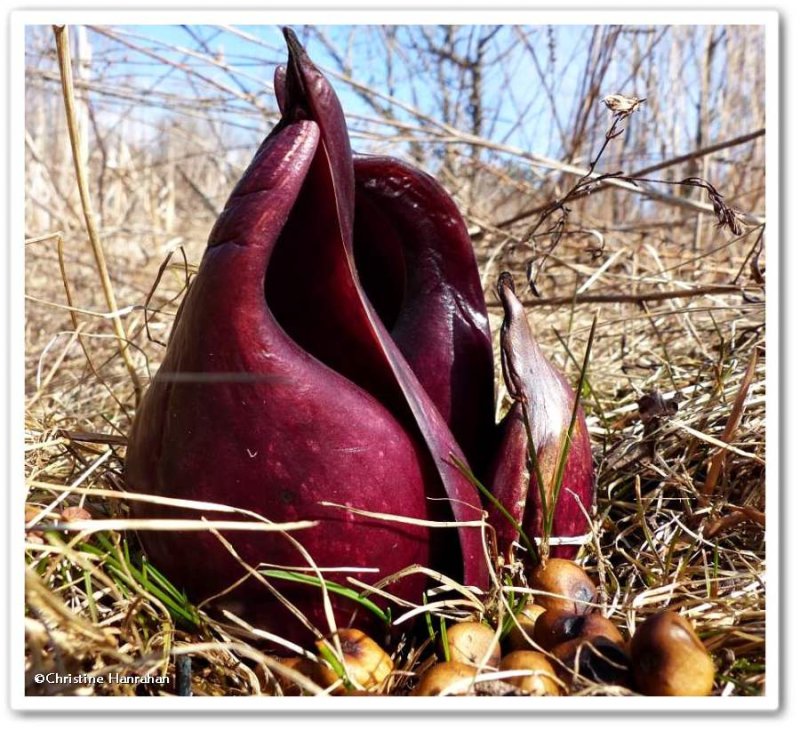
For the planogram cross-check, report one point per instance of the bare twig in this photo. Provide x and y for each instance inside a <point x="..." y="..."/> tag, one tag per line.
<point x="638" y="298"/>
<point x="686" y="157"/>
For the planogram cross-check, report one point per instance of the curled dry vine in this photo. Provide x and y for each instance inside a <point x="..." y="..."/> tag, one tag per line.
<point x="589" y="183"/>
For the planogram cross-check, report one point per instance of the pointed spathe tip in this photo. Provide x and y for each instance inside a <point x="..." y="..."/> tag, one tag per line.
<point x="290" y="36"/>
<point x="297" y="53"/>
<point x="505" y="282"/>
<point x="507" y="293"/>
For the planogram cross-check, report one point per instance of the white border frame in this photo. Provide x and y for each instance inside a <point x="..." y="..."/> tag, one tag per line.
<point x="364" y="16"/>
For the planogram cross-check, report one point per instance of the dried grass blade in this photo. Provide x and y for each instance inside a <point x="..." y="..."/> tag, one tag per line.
<point x="734" y="419"/>
<point x="68" y="91"/>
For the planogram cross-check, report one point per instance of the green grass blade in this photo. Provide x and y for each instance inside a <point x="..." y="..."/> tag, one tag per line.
<point x="443" y="635"/>
<point x="332" y="587"/>
<point x="567" y="442"/>
<point x="464" y="469"/>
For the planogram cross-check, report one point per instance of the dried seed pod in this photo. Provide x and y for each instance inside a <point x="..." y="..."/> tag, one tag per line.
<point x="668" y="658"/>
<point x="473" y="643"/>
<point x="541" y="679"/>
<point x="518" y="636"/>
<point x="554" y="627"/>
<point x="596" y="658"/>
<point x="566" y="585"/>
<point x="447" y="678"/>
<point x="365" y="661"/>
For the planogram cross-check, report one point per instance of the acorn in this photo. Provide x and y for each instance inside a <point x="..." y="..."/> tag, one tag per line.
<point x="567" y="586"/>
<point x="542" y="677"/>
<point x="526" y="620"/>
<point x="553" y="628"/>
<point x="365" y="661"/>
<point x="303" y="665"/>
<point x="668" y="658"/>
<point x="473" y="643"/>
<point x="447" y="678"/>
<point x="596" y="658"/>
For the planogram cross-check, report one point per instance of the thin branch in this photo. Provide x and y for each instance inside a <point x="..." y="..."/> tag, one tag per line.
<point x="702" y="152"/>
<point x="615" y="297"/>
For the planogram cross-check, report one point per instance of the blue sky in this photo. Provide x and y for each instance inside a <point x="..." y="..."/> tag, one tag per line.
<point x="257" y="62"/>
<point x="534" y="107"/>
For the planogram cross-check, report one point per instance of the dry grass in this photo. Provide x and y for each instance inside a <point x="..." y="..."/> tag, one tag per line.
<point x="680" y="321"/>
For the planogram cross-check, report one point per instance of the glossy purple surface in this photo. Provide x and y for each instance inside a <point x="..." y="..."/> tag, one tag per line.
<point x="438" y="318"/>
<point x="282" y="386"/>
<point x="536" y="385"/>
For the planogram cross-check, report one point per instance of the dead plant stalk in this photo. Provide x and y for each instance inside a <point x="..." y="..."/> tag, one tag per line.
<point x="68" y="91"/>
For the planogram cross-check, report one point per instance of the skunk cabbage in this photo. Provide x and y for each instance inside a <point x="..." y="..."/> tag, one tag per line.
<point x="284" y="385"/>
<point x="440" y="324"/>
<point x="543" y="397"/>
<point x="334" y="347"/>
